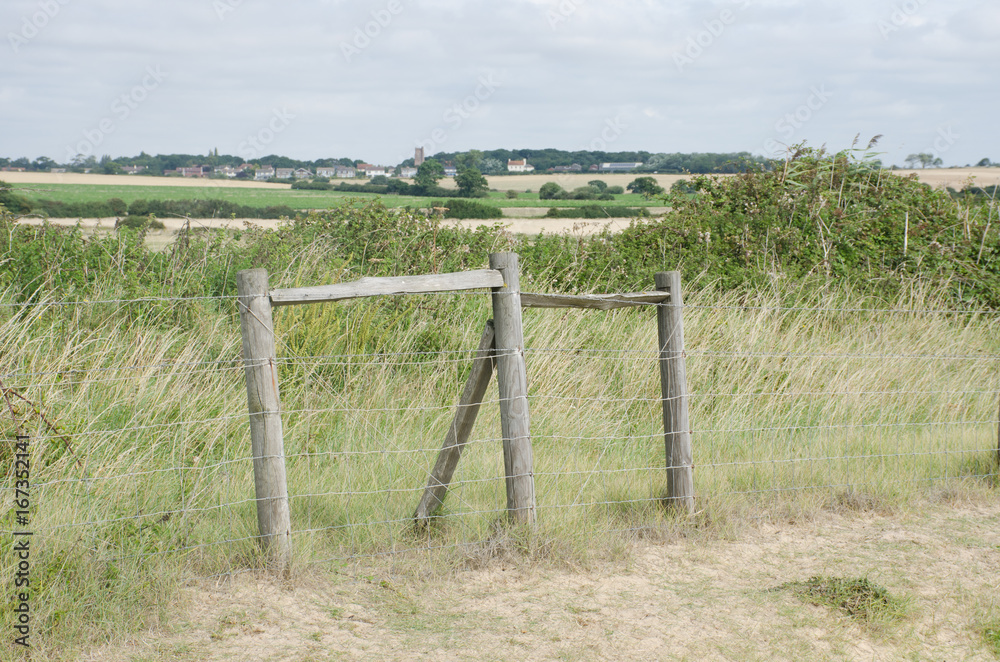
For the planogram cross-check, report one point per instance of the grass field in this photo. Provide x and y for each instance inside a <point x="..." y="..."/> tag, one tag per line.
<point x="297" y="199"/>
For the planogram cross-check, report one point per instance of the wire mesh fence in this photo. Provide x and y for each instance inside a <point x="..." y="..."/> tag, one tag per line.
<point x="141" y="450"/>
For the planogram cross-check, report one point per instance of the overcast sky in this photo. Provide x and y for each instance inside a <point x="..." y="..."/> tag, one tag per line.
<point x="372" y="80"/>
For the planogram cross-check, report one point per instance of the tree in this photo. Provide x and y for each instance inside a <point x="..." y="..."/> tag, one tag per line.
<point x="493" y="167"/>
<point x="428" y="174"/>
<point x="471" y="159"/>
<point x="922" y="158"/>
<point x="109" y="167"/>
<point x="472" y="184"/>
<point x="985" y="163"/>
<point x="551" y="191"/>
<point x="599" y="184"/>
<point x="43" y="163"/>
<point x="647" y="186"/>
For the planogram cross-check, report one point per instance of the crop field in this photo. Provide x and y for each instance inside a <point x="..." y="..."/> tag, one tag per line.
<point x="300" y="199"/>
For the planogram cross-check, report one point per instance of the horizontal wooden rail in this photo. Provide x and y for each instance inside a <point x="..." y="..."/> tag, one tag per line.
<point x="593" y="301"/>
<point x="369" y="287"/>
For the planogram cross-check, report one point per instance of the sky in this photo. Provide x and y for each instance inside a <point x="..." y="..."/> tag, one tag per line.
<point x="373" y="80"/>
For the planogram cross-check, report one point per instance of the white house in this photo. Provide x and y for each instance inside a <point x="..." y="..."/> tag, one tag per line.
<point x="303" y="173"/>
<point x="370" y="170"/>
<point x="284" y="173"/>
<point x="407" y="172"/>
<point x="519" y="165"/>
<point x="345" y="172"/>
<point x="264" y="172"/>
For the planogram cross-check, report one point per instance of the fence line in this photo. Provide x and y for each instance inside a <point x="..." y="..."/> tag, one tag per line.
<point x="358" y="461"/>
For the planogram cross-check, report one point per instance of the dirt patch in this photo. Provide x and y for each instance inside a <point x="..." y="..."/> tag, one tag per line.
<point x="130" y="180"/>
<point x="955" y="178"/>
<point x="696" y="597"/>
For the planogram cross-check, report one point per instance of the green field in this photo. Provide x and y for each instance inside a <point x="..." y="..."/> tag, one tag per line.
<point x="297" y="199"/>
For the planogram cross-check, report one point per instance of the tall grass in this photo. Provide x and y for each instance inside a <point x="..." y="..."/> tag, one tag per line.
<point x="799" y="398"/>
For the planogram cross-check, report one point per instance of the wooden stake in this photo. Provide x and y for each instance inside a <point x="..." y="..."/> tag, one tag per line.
<point x="461" y="428"/>
<point x="673" y="386"/>
<point x="513" y="383"/>
<point x="263" y="401"/>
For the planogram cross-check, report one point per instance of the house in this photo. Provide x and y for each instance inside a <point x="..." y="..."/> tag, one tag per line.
<point x="450" y="171"/>
<point x="519" y="165"/>
<point x="619" y="167"/>
<point x="369" y="170"/>
<point x="265" y="172"/>
<point x="190" y="171"/>
<point x="576" y="167"/>
<point x="284" y="173"/>
<point x="225" y="171"/>
<point x="303" y="173"/>
<point x="133" y="170"/>
<point x="345" y="172"/>
<point x="407" y="172"/>
<point x="326" y="171"/>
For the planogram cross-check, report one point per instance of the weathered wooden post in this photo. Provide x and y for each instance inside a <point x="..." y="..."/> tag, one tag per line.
<point x="270" y="484"/>
<point x="513" y="382"/>
<point x="673" y="386"/>
<point x="459" y="431"/>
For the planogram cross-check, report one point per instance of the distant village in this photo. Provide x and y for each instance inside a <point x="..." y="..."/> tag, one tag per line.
<point x="366" y="170"/>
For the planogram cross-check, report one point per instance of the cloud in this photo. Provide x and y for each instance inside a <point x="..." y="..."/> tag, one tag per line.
<point x="568" y="67"/>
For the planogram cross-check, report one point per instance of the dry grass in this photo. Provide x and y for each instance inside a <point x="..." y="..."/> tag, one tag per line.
<point x="795" y="410"/>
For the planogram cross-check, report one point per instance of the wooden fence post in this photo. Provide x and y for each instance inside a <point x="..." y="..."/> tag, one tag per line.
<point x="459" y="431"/>
<point x="270" y="483"/>
<point x="673" y="385"/>
<point x="513" y="382"/>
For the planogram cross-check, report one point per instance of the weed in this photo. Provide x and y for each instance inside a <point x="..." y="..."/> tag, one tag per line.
<point x="861" y="599"/>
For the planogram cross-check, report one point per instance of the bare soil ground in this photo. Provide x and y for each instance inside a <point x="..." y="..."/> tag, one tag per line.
<point x="700" y="596"/>
<point x="129" y="180"/>
<point x="954" y="177"/>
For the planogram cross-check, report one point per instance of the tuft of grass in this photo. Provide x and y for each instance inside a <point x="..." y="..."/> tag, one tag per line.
<point x="991" y="635"/>
<point x="861" y="599"/>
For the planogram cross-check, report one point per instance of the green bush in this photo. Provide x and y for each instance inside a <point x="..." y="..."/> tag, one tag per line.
<point x="462" y="208"/>
<point x="595" y="211"/>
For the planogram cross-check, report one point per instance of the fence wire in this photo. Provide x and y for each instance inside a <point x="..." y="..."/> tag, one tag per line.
<point x="141" y="449"/>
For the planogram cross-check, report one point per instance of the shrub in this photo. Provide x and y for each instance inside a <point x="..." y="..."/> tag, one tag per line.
<point x="551" y="191"/>
<point x="462" y="208"/>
